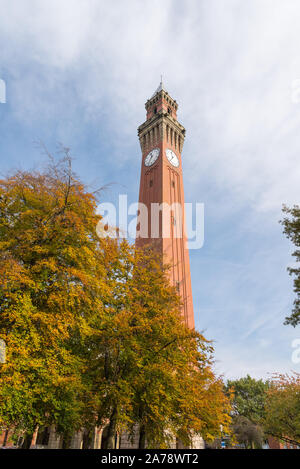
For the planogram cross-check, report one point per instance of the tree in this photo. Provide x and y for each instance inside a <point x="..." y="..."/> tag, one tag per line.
<point x="291" y="224"/>
<point x="147" y="368"/>
<point x="249" y="397"/>
<point x="249" y="409"/>
<point x="176" y="391"/>
<point x="48" y="250"/>
<point x="247" y="433"/>
<point x="283" y="408"/>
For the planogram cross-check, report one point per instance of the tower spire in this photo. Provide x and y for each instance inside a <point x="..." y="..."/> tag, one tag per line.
<point x="160" y="88"/>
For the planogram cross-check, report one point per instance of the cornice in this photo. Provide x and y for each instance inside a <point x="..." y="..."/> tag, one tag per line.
<point x="161" y="118"/>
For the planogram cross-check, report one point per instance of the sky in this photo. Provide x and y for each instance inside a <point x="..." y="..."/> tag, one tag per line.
<point x="80" y="71"/>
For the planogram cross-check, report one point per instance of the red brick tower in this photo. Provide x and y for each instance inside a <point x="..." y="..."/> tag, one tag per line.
<point x="161" y="191"/>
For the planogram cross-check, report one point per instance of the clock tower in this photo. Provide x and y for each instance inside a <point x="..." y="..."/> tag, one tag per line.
<point x="161" y="220"/>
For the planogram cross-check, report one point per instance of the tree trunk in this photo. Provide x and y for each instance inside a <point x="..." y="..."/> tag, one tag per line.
<point x="27" y="441"/>
<point x="86" y="441"/>
<point x="5" y="437"/>
<point x="142" y="438"/>
<point x="66" y="441"/>
<point x="111" y="433"/>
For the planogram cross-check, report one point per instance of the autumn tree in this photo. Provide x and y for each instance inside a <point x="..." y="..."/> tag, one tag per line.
<point x="176" y="392"/>
<point x="48" y="250"/>
<point x="291" y="225"/>
<point x="283" y="408"/>
<point x="152" y="374"/>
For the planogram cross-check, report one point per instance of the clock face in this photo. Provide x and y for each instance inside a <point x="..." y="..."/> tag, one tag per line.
<point x="152" y="157"/>
<point x="172" y="158"/>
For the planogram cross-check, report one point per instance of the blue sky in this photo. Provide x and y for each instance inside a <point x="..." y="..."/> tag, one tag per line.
<point x="80" y="71"/>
